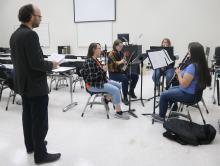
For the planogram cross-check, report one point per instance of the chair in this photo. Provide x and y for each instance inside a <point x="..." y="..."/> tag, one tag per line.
<point x="3" y="78"/>
<point x="70" y="57"/>
<point x="13" y="95"/>
<point x="6" y="82"/>
<point x="207" y="52"/>
<point x="90" y="103"/>
<point x="194" y="103"/>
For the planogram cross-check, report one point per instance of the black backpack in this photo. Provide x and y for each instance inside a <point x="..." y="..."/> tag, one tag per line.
<point x="189" y="133"/>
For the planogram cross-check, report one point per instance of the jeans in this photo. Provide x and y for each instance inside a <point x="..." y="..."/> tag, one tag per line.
<point x="124" y="79"/>
<point x="113" y="88"/>
<point x="168" y="73"/>
<point x="35" y="124"/>
<point x="174" y="94"/>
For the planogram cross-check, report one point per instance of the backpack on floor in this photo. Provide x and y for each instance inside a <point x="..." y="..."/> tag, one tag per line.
<point x="189" y="133"/>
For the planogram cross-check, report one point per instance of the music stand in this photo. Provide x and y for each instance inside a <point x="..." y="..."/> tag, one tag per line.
<point x="124" y="37"/>
<point x="130" y="111"/>
<point x="158" y="59"/>
<point x="170" y="54"/>
<point x="170" y="50"/>
<point x="139" y="60"/>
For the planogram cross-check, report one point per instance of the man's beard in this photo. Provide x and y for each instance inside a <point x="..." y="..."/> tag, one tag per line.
<point x="35" y="25"/>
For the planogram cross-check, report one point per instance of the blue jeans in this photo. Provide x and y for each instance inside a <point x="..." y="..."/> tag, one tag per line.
<point x="174" y="94"/>
<point x="124" y="79"/>
<point x="111" y="87"/>
<point x="168" y="73"/>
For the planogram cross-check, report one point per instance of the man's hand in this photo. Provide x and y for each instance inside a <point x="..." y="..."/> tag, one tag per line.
<point x="55" y="65"/>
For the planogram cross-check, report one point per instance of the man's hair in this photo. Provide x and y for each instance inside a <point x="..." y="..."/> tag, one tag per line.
<point x="25" y="13"/>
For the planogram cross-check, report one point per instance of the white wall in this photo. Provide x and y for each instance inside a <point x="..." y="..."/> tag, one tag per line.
<point x="182" y="21"/>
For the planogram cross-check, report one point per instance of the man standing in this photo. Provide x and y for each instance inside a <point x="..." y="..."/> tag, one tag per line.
<point x="31" y="83"/>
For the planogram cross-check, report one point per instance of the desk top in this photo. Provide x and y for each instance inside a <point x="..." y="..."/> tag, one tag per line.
<point x="63" y="69"/>
<point x="5" y="58"/>
<point x="59" y="70"/>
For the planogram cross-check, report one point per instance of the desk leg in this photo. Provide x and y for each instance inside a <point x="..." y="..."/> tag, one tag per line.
<point x="213" y="94"/>
<point x="218" y="91"/>
<point x="72" y="104"/>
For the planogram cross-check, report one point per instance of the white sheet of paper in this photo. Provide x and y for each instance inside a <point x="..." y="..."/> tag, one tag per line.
<point x="56" y="57"/>
<point x="157" y="59"/>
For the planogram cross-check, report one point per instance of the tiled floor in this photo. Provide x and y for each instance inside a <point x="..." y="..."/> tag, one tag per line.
<point x="96" y="141"/>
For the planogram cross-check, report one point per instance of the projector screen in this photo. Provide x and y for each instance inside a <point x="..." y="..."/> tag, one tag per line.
<point x="94" y="10"/>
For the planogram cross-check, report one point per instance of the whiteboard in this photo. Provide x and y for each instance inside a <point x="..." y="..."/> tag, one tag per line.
<point x="43" y="33"/>
<point x="100" y="32"/>
<point x="94" y="10"/>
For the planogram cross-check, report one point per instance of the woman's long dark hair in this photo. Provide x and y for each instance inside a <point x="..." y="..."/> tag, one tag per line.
<point x="91" y="48"/>
<point x="116" y="43"/>
<point x="168" y="41"/>
<point x="198" y="58"/>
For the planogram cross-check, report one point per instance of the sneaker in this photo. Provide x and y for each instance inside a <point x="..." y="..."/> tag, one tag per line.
<point x="158" y="118"/>
<point x="122" y="116"/>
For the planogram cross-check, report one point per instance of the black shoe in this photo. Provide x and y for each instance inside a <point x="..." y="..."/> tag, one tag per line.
<point x="48" y="158"/>
<point x="31" y="151"/>
<point x="125" y="101"/>
<point x="132" y="94"/>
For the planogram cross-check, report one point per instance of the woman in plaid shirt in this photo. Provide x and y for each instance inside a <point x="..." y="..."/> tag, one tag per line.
<point x="94" y="74"/>
<point x="116" y="61"/>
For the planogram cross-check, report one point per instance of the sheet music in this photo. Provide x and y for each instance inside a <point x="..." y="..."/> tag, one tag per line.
<point x="159" y="59"/>
<point x="56" y="57"/>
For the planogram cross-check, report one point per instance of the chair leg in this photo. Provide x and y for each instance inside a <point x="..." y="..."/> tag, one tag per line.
<point x="203" y="102"/>
<point x="201" y="113"/>
<point x="66" y="82"/>
<point x="189" y="116"/>
<point x="8" y="101"/>
<point x="93" y="100"/>
<point x="14" y="95"/>
<point x="1" y="89"/>
<point x="51" y="81"/>
<point x="74" y="87"/>
<point x="179" y="108"/>
<point x="106" y="109"/>
<point x="87" y="103"/>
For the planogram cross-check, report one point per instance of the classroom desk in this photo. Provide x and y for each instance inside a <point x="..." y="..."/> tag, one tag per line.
<point x="68" y="72"/>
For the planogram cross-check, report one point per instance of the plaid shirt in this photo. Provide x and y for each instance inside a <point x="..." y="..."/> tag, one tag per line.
<point x="93" y="74"/>
<point x="113" y="58"/>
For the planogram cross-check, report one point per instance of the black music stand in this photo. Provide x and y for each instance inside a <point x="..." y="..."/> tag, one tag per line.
<point x="158" y="59"/>
<point x="170" y="56"/>
<point x="130" y="111"/>
<point x="139" y="60"/>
